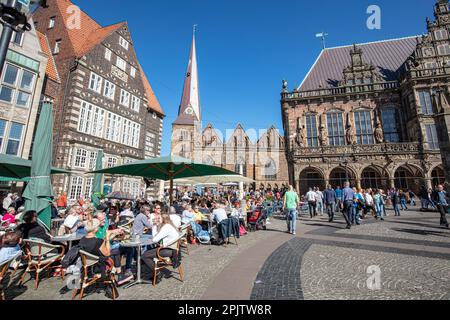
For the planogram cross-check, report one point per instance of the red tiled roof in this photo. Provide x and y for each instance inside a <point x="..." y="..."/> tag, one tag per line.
<point x="387" y="56"/>
<point x="51" y="71"/>
<point x="153" y="102"/>
<point x="98" y="36"/>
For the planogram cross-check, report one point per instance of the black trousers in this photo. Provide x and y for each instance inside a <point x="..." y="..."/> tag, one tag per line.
<point x="443" y="211"/>
<point x="148" y="265"/>
<point x="347" y="211"/>
<point x="312" y="208"/>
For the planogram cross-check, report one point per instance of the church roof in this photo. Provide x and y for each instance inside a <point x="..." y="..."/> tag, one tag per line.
<point x="387" y="56"/>
<point x="189" y="111"/>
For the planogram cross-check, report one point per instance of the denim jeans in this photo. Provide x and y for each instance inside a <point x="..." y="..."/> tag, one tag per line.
<point x="331" y="209"/>
<point x="320" y="207"/>
<point x="292" y="223"/>
<point x="403" y="204"/>
<point x="379" y="207"/>
<point x="397" y="209"/>
<point x="354" y="215"/>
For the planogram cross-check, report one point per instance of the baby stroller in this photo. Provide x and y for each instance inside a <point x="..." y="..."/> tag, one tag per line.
<point x="257" y="220"/>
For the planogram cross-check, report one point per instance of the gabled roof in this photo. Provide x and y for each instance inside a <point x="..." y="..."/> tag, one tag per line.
<point x="98" y="36"/>
<point x="51" y="71"/>
<point x="153" y="102"/>
<point x="387" y="56"/>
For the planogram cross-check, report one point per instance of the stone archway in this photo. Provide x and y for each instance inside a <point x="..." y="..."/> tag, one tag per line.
<point x="310" y="178"/>
<point x="408" y="177"/>
<point x="437" y="176"/>
<point x="374" y="178"/>
<point x="338" y="176"/>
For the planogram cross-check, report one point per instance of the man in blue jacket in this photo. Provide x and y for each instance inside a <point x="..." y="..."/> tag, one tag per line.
<point x="329" y="197"/>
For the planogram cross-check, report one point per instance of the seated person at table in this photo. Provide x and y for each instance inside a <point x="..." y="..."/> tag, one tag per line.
<point x="128" y="213"/>
<point x="99" y="247"/>
<point x="188" y="215"/>
<point x="72" y="221"/>
<point x="9" y="218"/>
<point x="219" y="214"/>
<point x="166" y="235"/>
<point x="9" y="246"/>
<point x="156" y="219"/>
<point x="32" y="229"/>
<point x="198" y="216"/>
<point x="142" y="222"/>
<point x="113" y="216"/>
<point x="175" y="218"/>
<point x="104" y="224"/>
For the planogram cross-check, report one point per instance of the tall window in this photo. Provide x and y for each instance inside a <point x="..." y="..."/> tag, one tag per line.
<point x="92" y="160"/>
<point x="51" y="22"/>
<point x="76" y="188"/>
<point x="311" y="130"/>
<point x="425" y="102"/>
<point x="240" y="164"/>
<point x="108" y="54"/>
<point x="364" y="128"/>
<point x="18" y="38"/>
<point x="111" y="162"/>
<point x="15" y="136"/>
<point x="17" y="86"/>
<point x="390" y="125"/>
<point x="135" y="103"/>
<point x="444" y="49"/>
<point x="441" y="34"/>
<point x="2" y="132"/>
<point x="86" y="115"/>
<point x="88" y="187"/>
<point x="432" y="137"/>
<point x="124" y="43"/>
<point x="110" y="90"/>
<point x="95" y="83"/>
<point x="270" y="170"/>
<point x="80" y="158"/>
<point x="133" y="72"/>
<point x="121" y="64"/>
<point x="124" y="98"/>
<point x="336" y="129"/>
<point x="57" y="48"/>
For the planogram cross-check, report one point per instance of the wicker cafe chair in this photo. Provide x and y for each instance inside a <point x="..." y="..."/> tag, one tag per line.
<point x="127" y="227"/>
<point x="4" y="267"/>
<point x="41" y="256"/>
<point x="164" y="263"/>
<point x="90" y="261"/>
<point x="185" y="230"/>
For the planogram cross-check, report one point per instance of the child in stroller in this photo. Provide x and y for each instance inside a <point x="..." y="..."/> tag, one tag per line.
<point x="257" y="219"/>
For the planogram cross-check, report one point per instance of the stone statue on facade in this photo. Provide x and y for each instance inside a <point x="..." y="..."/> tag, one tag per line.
<point x="323" y="139"/>
<point x="379" y="134"/>
<point x="300" y="137"/>
<point x="349" y="136"/>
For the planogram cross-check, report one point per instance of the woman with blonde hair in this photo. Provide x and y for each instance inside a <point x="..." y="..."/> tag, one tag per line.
<point x="165" y="237"/>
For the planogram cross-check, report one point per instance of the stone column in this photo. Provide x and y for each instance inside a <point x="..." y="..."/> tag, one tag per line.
<point x="358" y="183"/>
<point x="391" y="183"/>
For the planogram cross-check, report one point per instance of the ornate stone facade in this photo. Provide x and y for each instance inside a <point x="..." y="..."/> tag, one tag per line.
<point x="383" y="122"/>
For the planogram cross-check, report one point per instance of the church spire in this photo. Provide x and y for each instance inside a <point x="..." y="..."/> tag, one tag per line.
<point x="189" y="111"/>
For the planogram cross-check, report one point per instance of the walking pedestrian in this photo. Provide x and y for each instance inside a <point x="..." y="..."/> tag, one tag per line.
<point x="329" y="196"/>
<point x="395" y="198"/>
<point x="402" y="196"/>
<point x="441" y="201"/>
<point x="291" y="203"/>
<point x="320" y="202"/>
<point x="348" y="197"/>
<point x="379" y="204"/>
<point x="311" y="197"/>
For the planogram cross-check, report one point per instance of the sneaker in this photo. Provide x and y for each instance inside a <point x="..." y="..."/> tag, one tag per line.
<point x="123" y="278"/>
<point x="128" y="272"/>
<point x="294" y="233"/>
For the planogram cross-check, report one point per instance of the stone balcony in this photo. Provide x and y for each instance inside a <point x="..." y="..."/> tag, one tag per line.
<point x="340" y="91"/>
<point x="354" y="150"/>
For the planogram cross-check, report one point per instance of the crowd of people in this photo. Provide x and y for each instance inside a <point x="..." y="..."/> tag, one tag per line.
<point x="211" y="218"/>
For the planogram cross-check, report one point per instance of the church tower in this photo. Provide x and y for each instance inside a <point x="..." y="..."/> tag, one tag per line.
<point x="186" y="130"/>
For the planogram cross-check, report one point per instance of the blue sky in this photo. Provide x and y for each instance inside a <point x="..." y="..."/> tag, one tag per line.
<point x="245" y="47"/>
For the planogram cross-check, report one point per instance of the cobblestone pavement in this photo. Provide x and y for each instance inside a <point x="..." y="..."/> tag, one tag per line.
<point x="324" y="261"/>
<point x="202" y="265"/>
<point x="411" y="254"/>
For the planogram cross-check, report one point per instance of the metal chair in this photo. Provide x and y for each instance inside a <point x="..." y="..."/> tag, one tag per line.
<point x="164" y="262"/>
<point x="41" y="256"/>
<point x="4" y="267"/>
<point x="185" y="230"/>
<point x="89" y="261"/>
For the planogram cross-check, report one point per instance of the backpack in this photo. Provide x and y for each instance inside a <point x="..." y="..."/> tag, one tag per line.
<point x="71" y="257"/>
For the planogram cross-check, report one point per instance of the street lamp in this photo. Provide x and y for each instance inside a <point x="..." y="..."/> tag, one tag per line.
<point x="14" y="17"/>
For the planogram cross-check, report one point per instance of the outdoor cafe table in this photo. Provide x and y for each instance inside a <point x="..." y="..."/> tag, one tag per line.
<point x="70" y="238"/>
<point x="137" y="244"/>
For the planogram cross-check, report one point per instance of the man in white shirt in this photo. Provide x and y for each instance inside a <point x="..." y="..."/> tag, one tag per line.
<point x="174" y="217"/>
<point x="219" y="214"/>
<point x="319" y="201"/>
<point x="311" y="197"/>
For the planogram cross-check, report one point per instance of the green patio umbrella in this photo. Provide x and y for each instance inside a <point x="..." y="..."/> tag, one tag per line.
<point x="18" y="169"/>
<point x="39" y="193"/>
<point x="97" y="185"/>
<point x="166" y="168"/>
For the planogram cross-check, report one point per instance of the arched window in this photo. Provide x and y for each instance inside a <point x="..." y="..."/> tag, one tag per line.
<point x="270" y="170"/>
<point x="389" y="117"/>
<point x="336" y="132"/>
<point x="311" y="130"/>
<point x="364" y="128"/>
<point x="240" y="164"/>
